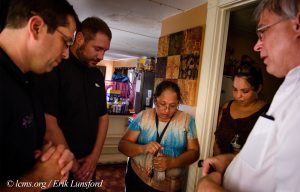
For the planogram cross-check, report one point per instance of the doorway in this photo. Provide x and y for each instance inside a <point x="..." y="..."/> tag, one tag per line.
<point x="240" y="41"/>
<point x="214" y="51"/>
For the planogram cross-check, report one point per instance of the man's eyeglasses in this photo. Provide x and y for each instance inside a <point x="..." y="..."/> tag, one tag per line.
<point x="68" y="41"/>
<point x="164" y="106"/>
<point x="262" y="29"/>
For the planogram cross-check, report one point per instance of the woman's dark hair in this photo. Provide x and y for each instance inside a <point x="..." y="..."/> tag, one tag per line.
<point x="251" y="73"/>
<point x="3" y="13"/>
<point x="167" y="85"/>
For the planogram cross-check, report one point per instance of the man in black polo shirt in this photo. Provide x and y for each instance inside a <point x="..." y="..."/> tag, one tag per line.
<point x="30" y="28"/>
<point x="75" y="98"/>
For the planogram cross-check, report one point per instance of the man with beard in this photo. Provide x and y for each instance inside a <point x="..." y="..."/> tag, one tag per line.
<point x="75" y="99"/>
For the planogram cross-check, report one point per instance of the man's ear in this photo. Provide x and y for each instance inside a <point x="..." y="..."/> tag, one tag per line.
<point x="36" y="25"/>
<point x="297" y="22"/>
<point x="79" y="38"/>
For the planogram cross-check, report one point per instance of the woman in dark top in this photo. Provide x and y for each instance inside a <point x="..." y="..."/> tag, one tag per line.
<point x="237" y="117"/>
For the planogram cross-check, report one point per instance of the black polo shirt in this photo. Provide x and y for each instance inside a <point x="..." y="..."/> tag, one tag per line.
<point x="22" y="122"/>
<point x="75" y="95"/>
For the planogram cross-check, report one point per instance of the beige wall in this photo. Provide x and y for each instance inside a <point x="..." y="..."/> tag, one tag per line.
<point x="189" y="19"/>
<point x="126" y="63"/>
<point x="109" y="68"/>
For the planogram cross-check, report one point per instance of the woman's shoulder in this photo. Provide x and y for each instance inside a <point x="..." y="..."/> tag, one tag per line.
<point x="183" y="115"/>
<point x="226" y="104"/>
<point x="262" y="104"/>
<point x="147" y="113"/>
<point x="148" y="110"/>
<point x="179" y="112"/>
<point x="260" y="107"/>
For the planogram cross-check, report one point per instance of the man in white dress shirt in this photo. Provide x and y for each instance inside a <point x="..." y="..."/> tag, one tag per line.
<point x="270" y="159"/>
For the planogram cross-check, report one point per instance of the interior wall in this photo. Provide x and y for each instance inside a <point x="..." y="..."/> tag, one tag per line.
<point x="109" y="68"/>
<point x="190" y="19"/>
<point x="126" y="62"/>
<point x="186" y="20"/>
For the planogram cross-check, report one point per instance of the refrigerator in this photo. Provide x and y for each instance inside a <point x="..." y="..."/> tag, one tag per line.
<point x="144" y="88"/>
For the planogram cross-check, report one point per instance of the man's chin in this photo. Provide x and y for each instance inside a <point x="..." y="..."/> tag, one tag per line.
<point x="50" y="67"/>
<point x="270" y="71"/>
<point x="48" y="70"/>
<point x="41" y="71"/>
<point x="92" y="64"/>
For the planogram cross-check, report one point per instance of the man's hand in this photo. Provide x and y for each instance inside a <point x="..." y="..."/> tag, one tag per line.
<point x="219" y="163"/>
<point x="63" y="156"/>
<point x="211" y="182"/>
<point x="53" y="163"/>
<point x="87" y="168"/>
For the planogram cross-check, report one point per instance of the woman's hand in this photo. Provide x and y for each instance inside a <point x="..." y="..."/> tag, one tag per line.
<point x="152" y="147"/>
<point x="162" y="163"/>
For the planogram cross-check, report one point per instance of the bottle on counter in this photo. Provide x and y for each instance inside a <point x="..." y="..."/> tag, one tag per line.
<point x="159" y="175"/>
<point x="115" y="106"/>
<point x="126" y="106"/>
<point x="109" y="107"/>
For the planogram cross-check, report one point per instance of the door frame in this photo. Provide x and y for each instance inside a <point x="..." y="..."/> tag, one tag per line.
<point x="209" y="88"/>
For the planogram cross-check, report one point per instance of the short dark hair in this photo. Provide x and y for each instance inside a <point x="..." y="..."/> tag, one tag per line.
<point x="3" y="13"/>
<point x="93" y="25"/>
<point x="53" y="12"/>
<point x="282" y="8"/>
<point x="167" y="85"/>
<point x="251" y="73"/>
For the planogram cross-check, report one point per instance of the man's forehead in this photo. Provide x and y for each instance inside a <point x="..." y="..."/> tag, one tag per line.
<point x="266" y="16"/>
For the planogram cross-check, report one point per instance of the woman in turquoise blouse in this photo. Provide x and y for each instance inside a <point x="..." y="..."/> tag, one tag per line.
<point x="169" y="155"/>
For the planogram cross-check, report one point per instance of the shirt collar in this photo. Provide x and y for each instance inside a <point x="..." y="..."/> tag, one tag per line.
<point x="12" y="68"/>
<point x="76" y="61"/>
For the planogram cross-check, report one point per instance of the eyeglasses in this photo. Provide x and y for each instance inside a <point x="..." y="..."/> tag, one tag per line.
<point x="68" y="41"/>
<point x="163" y="106"/>
<point x="262" y="29"/>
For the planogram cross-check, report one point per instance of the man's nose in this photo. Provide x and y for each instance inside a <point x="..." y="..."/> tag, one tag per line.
<point x="100" y="55"/>
<point x="258" y="45"/>
<point x="66" y="53"/>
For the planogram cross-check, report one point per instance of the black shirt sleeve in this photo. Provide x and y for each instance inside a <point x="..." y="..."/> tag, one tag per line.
<point x="102" y="104"/>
